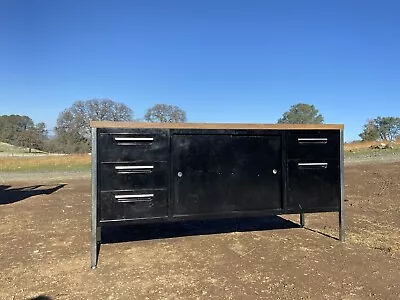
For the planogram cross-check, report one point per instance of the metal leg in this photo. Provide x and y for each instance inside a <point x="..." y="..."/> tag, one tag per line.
<point x="302" y="219"/>
<point x="342" y="233"/>
<point x="96" y="232"/>
<point x="94" y="249"/>
<point x="95" y="246"/>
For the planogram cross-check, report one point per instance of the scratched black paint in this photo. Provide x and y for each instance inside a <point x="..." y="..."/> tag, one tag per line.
<point x="223" y="173"/>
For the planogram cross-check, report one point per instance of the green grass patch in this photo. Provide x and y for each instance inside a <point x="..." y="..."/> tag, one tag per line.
<point x="11" y="149"/>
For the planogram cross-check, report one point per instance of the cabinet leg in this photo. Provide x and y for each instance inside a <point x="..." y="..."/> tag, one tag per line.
<point x="95" y="246"/>
<point x="95" y="229"/>
<point x="342" y="232"/>
<point x="302" y="219"/>
<point x="94" y="251"/>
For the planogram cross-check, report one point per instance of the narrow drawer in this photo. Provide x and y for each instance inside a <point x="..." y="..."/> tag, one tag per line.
<point x="133" y="175"/>
<point x="313" y="144"/>
<point x="133" y="204"/>
<point x="123" y="145"/>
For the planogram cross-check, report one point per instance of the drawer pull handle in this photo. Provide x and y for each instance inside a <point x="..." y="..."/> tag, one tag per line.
<point x="313" y="165"/>
<point x="134" y="198"/>
<point x="312" y="140"/>
<point x="132" y="139"/>
<point x="133" y="167"/>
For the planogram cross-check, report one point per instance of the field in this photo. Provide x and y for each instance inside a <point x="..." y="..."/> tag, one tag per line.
<point x="364" y="151"/>
<point x="45" y="163"/>
<point x="45" y="234"/>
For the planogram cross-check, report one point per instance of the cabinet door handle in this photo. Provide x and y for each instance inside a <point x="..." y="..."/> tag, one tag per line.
<point x="312" y="165"/>
<point x="312" y="140"/>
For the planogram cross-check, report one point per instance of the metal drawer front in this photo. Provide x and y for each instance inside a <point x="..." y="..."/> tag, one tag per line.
<point x="132" y="175"/>
<point x="313" y="185"/>
<point x="118" y="146"/>
<point x="133" y="204"/>
<point x="322" y="144"/>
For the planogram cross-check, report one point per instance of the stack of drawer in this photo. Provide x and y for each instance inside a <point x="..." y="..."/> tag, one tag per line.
<point x="133" y="173"/>
<point x="313" y="170"/>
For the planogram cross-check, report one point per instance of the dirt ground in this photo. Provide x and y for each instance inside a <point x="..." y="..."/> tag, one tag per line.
<point x="45" y="234"/>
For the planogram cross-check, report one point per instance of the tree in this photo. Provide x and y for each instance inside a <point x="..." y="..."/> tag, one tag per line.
<point x="71" y="142"/>
<point x="370" y="132"/>
<point x="35" y="137"/>
<point x="73" y="124"/>
<point x="12" y="125"/>
<point x="77" y="117"/>
<point x="30" y="139"/>
<point x="302" y="114"/>
<point x="165" y="113"/>
<point x="21" y="131"/>
<point x="381" y="128"/>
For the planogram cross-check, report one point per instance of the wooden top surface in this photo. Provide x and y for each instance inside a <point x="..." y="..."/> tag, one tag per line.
<point x="110" y="124"/>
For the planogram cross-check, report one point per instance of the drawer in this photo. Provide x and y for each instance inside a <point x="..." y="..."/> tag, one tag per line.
<point x="323" y="144"/>
<point x="133" y="175"/>
<point x="313" y="184"/>
<point x="133" y="204"/>
<point x="123" y="145"/>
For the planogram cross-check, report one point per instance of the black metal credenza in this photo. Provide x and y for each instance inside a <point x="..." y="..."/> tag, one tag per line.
<point x="161" y="172"/>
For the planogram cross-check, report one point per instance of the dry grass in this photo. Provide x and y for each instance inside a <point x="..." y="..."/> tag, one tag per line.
<point x="361" y="151"/>
<point x="46" y="163"/>
<point x="360" y="145"/>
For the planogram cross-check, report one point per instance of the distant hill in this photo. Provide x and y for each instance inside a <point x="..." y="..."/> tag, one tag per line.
<point x="7" y="149"/>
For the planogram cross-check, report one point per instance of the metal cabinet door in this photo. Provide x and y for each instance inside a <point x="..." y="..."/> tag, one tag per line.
<point x="256" y="177"/>
<point x="219" y="174"/>
<point x="201" y="165"/>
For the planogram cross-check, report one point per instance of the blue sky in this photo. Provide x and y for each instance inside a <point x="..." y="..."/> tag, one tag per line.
<point x="221" y="61"/>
